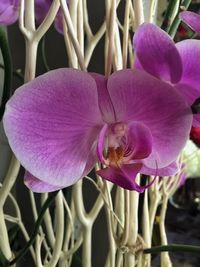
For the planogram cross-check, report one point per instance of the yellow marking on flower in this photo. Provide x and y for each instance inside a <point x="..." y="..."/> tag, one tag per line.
<point x="115" y="156"/>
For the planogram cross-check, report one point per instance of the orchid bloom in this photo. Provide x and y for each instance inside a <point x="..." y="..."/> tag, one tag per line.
<point x="41" y="10"/>
<point x="177" y="64"/>
<point x="9" y="11"/>
<point x="192" y="20"/>
<point x="61" y="123"/>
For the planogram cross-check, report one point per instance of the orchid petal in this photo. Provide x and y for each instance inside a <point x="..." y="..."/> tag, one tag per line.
<point x="38" y="186"/>
<point x="101" y="144"/>
<point x="8" y="11"/>
<point x="170" y="170"/>
<point x="58" y="23"/>
<point x="139" y="141"/>
<point x="190" y="94"/>
<point x="41" y="9"/>
<point x="189" y="51"/>
<point x="139" y="97"/>
<point x="124" y="176"/>
<point x="105" y="103"/>
<point x="91" y="160"/>
<point x="191" y="19"/>
<point x="52" y="124"/>
<point x="157" y="53"/>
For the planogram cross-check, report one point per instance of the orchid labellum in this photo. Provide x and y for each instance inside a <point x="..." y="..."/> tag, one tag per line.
<point x="60" y="124"/>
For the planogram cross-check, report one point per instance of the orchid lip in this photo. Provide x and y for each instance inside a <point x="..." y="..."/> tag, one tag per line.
<point x="116" y="147"/>
<point x="113" y="153"/>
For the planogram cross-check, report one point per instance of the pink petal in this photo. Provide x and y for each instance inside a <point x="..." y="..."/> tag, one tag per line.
<point x="123" y="177"/>
<point x="58" y="23"/>
<point x="157" y="53"/>
<point x="38" y="186"/>
<point x="170" y="170"/>
<point x="41" y="9"/>
<point x="189" y="51"/>
<point x="91" y="160"/>
<point x="105" y="103"/>
<point x="190" y="94"/>
<point x="139" y="141"/>
<point x="139" y="97"/>
<point x="52" y="124"/>
<point x="101" y="143"/>
<point x="191" y="19"/>
<point x="8" y="11"/>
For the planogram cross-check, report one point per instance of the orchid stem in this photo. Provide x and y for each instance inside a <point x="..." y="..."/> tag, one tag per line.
<point x="87" y="244"/>
<point x="111" y="35"/>
<point x="30" y="15"/>
<point x="153" y="11"/>
<point x="174" y="27"/>
<point x="36" y="228"/>
<point x="165" y="259"/>
<point x="169" y="15"/>
<point x="112" y="251"/>
<point x="139" y="13"/>
<point x="48" y="222"/>
<point x="59" y="209"/>
<point x="146" y="232"/>
<point x="127" y="218"/>
<point x="30" y="65"/>
<point x="4" y="191"/>
<point x="126" y="32"/>
<point x="73" y="35"/>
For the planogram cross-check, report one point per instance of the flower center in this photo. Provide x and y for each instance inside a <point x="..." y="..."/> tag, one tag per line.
<point x="115" y="156"/>
<point x="115" y="150"/>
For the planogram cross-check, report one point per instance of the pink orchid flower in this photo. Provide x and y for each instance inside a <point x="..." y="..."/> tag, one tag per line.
<point x="192" y="20"/>
<point x="9" y="12"/>
<point x="61" y="123"/>
<point x="41" y="10"/>
<point x="177" y="64"/>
